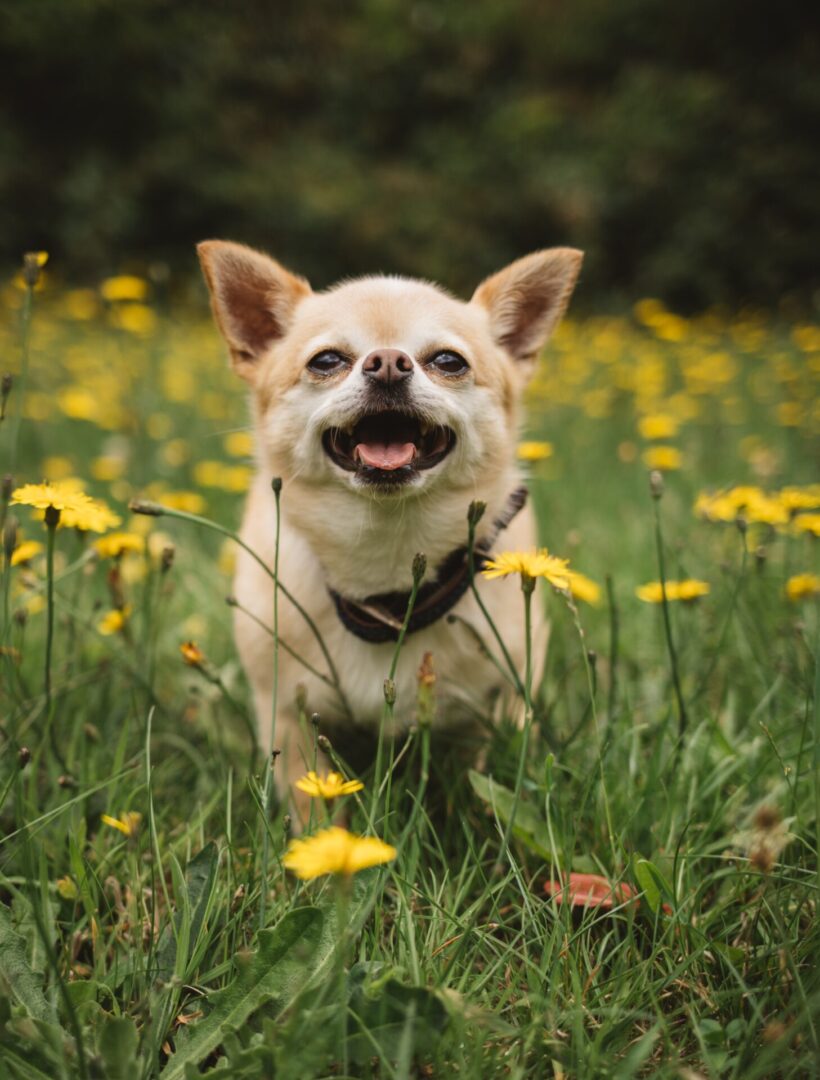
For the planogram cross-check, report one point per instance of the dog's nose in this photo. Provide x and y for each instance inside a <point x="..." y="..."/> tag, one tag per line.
<point x="388" y="366"/>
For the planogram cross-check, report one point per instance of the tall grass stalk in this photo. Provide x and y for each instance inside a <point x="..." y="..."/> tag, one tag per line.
<point x="656" y="486"/>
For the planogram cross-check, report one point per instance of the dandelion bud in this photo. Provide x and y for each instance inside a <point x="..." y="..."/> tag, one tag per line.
<point x="33" y="263"/>
<point x="314" y="719"/>
<point x="276" y="485"/>
<point x="9" y="537"/>
<point x="66" y="781"/>
<point x="760" y="556"/>
<point x="419" y="567"/>
<point x="389" y="692"/>
<point x="741" y="524"/>
<point x="656" y="484"/>
<point x="323" y="743"/>
<point x="286" y="820"/>
<point x="7" y="487"/>
<point x="166" y="560"/>
<point x="592" y="656"/>
<point x="52" y="517"/>
<point x="145" y="506"/>
<point x="5" y="389"/>
<point x="231" y="601"/>
<point x="23" y="756"/>
<point x="475" y="512"/>
<point x="21" y="616"/>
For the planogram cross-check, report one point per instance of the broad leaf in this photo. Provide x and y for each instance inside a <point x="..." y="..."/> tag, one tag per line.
<point x="118" y="1043"/>
<point x="200" y="875"/>
<point x="25" y="986"/>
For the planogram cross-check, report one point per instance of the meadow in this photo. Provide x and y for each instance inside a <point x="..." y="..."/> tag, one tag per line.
<point x="148" y="923"/>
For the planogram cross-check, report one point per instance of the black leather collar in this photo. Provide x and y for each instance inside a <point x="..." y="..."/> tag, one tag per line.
<point x="380" y="617"/>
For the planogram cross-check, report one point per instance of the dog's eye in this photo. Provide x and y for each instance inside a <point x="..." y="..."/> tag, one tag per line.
<point x="327" y="362"/>
<point x="448" y="363"/>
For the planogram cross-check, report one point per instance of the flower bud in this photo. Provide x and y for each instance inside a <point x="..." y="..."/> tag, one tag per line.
<point x="276" y="485"/>
<point x="52" y="517"/>
<point x="145" y="506"/>
<point x="475" y="512"/>
<point x="166" y="560"/>
<point x="389" y="692"/>
<point x="33" y="263"/>
<point x="656" y="484"/>
<point x="23" y="756"/>
<point x="323" y="743"/>
<point x="419" y="567"/>
<point x="6" y="384"/>
<point x="9" y="537"/>
<point x="314" y="719"/>
<point x="6" y="487"/>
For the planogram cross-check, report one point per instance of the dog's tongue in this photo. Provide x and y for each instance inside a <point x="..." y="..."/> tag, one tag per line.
<point x="380" y="455"/>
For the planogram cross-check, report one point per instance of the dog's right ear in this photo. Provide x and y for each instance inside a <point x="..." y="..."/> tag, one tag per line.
<point x="253" y="299"/>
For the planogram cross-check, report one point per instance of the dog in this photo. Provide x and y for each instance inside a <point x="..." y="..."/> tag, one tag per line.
<point x="386" y="406"/>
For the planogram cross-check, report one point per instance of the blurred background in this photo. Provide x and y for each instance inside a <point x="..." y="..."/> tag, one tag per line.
<point x="675" y="143"/>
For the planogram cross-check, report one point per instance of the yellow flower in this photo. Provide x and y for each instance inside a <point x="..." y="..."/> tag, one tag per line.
<point x="690" y="589"/>
<point x="335" y="851"/>
<point x="25" y="552"/>
<point x="658" y="426"/>
<point x="239" y="443"/>
<point x="327" y="787"/>
<point x="67" y="888"/>
<point x="124" y="287"/>
<point x="192" y="654"/>
<point x="534" y="451"/>
<point x="808" y="523"/>
<point x="107" y="468"/>
<point x="114" y="621"/>
<point x="59" y="496"/>
<point x="802" y="586"/>
<point x="117" y="544"/>
<point x="583" y="588"/>
<point x="664" y="458"/>
<point x="128" y="822"/>
<point x="94" y="516"/>
<point x="530" y="564"/>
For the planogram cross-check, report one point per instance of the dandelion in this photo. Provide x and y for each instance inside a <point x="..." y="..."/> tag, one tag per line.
<point x="25" y="552"/>
<point x="327" y="787"/>
<point x="127" y="823"/>
<point x="124" y="287"/>
<point x="688" y="590"/>
<point x="115" y="545"/>
<point x="530" y="565"/>
<point x="664" y="458"/>
<point x="192" y="654"/>
<point x="336" y="851"/>
<point x="802" y="586"/>
<point x="583" y="588"/>
<point x="807" y="523"/>
<point x="658" y="426"/>
<point x="114" y="621"/>
<point x="534" y="451"/>
<point x="51" y="496"/>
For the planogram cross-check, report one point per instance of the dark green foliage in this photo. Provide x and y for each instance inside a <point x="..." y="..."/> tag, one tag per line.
<point x="674" y="143"/>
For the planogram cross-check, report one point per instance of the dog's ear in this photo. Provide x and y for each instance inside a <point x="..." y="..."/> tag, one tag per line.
<point x="526" y="299"/>
<point x="253" y="299"/>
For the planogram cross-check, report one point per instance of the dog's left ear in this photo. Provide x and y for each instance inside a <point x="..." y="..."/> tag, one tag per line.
<point x="526" y="299"/>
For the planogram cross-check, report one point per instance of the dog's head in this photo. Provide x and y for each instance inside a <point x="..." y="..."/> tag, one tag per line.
<point x="384" y="384"/>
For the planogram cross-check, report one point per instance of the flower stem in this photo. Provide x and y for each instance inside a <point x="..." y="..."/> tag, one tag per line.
<point x="527" y="587"/>
<point x="667" y="624"/>
<point x="269" y="762"/>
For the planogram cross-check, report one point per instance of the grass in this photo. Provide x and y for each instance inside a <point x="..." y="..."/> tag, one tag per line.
<point x="673" y="747"/>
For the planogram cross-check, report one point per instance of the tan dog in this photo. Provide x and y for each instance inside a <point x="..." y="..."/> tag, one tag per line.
<point x="386" y="406"/>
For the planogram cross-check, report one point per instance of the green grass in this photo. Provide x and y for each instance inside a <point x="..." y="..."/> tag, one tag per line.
<point x="452" y="960"/>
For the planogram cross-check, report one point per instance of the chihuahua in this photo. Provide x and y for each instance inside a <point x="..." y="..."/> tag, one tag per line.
<point x="385" y="406"/>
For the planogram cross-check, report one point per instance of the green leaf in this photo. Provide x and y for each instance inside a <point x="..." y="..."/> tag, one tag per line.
<point x="529" y="827"/>
<point x="200" y="877"/>
<point x="388" y="1014"/>
<point x="15" y="973"/>
<point x="291" y="955"/>
<point x="653" y="884"/>
<point x="118" y="1043"/>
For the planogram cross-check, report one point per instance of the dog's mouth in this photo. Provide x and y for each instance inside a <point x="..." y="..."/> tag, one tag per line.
<point x="388" y="447"/>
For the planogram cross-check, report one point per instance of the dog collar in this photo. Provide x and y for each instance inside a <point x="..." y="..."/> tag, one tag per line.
<point x="380" y="617"/>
